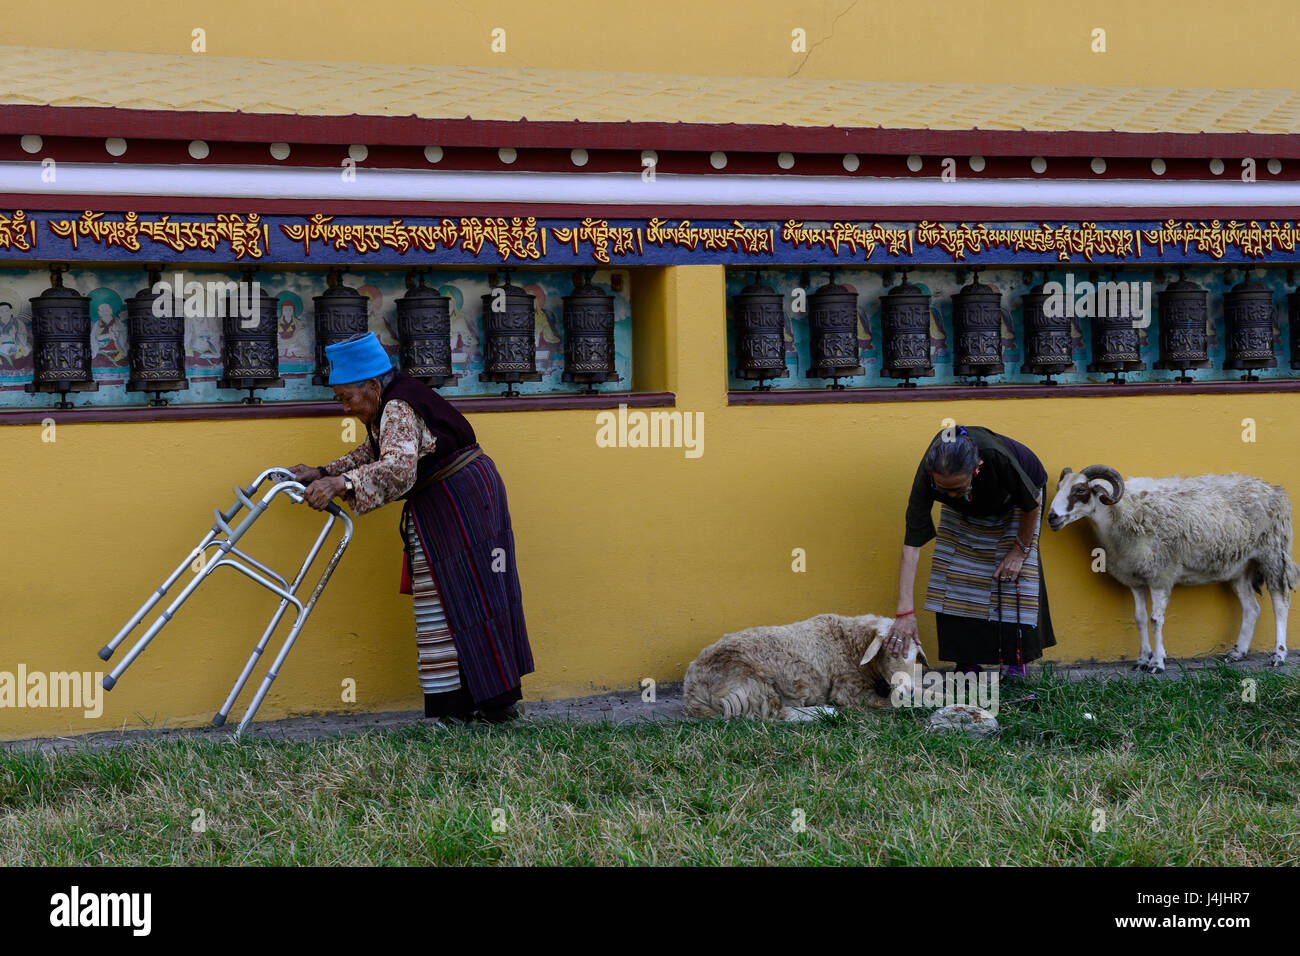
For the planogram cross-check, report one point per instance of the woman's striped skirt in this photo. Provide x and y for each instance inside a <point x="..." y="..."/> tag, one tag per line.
<point x="436" y="659"/>
<point x="979" y="619"/>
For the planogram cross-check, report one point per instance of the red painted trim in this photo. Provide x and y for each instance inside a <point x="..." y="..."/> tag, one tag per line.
<point x="325" y="156"/>
<point x="469" y="405"/>
<point x="521" y="134"/>
<point x="949" y="393"/>
<point x="72" y="203"/>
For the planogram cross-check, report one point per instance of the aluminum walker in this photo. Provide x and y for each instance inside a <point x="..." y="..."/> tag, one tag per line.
<point x="223" y="537"/>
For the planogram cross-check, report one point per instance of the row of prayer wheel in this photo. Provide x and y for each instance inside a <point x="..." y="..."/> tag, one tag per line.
<point x="61" y="326"/>
<point x="977" y="333"/>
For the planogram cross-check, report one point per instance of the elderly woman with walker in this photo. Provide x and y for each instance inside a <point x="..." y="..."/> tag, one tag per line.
<point x="471" y="639"/>
<point x="986" y="582"/>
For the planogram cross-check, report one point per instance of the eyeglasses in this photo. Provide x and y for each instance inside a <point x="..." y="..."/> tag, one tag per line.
<point x="957" y="492"/>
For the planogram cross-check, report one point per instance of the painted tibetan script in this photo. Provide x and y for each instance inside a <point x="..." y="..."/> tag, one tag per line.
<point x="251" y="236"/>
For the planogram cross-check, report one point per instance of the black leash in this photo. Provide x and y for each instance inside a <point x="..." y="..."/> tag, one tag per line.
<point x="1020" y="632"/>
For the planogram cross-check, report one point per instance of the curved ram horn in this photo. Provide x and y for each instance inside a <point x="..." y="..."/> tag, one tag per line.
<point x="1108" y="474"/>
<point x="1064" y="471"/>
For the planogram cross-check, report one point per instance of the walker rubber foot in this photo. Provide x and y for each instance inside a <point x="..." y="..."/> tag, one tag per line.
<point x="105" y="652"/>
<point x="109" y="681"/>
<point x="218" y="720"/>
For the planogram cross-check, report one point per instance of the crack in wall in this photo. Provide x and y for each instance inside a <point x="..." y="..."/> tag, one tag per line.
<point x="829" y="34"/>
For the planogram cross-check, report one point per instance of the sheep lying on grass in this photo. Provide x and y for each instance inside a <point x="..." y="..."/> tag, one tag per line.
<point x="773" y="670"/>
<point x="1159" y="532"/>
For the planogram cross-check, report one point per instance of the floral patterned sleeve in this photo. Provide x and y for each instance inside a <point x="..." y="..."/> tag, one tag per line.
<point x="357" y="456"/>
<point x="403" y="439"/>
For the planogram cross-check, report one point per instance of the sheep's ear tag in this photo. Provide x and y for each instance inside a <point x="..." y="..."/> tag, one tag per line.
<point x="872" y="650"/>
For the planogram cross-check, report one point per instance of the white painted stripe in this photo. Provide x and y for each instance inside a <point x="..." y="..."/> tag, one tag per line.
<point x="445" y="186"/>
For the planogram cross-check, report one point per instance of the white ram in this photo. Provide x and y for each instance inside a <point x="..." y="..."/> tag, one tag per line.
<point x="1160" y="532"/>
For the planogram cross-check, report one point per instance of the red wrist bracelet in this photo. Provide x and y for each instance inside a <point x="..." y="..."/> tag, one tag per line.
<point x="905" y="613"/>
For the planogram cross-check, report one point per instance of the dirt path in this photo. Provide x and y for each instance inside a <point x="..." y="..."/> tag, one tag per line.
<point x="617" y="707"/>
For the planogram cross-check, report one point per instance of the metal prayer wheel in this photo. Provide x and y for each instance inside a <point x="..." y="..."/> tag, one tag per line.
<point x="1250" y="320"/>
<point x="833" y="324"/>
<point x="1183" y="345"/>
<point x="61" y="349"/>
<point x="250" y="340"/>
<point x="1115" y="343"/>
<point x="1047" y="337"/>
<point x="905" y="331"/>
<point x="589" y="336"/>
<point x="424" y="334"/>
<point x="977" y="328"/>
<point x="759" y="312"/>
<point x="156" y="343"/>
<point x="341" y="312"/>
<point x="1293" y="315"/>
<point x="509" y="327"/>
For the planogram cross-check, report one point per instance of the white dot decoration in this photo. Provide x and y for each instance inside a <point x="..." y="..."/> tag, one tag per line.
<point x="279" y="150"/>
<point x="433" y="154"/>
<point x="1158" y="167"/>
<point x="914" y="163"/>
<point x="717" y="159"/>
<point x="198" y="149"/>
<point x="785" y="160"/>
<point x="358" y="153"/>
<point x="976" y="163"/>
<point x="851" y="162"/>
<point x="1038" y="164"/>
<point x="578" y="157"/>
<point x="1098" y="165"/>
<point x="115" y="145"/>
<point x="32" y="143"/>
<point x="507" y="154"/>
<point x="1275" y="166"/>
<point x="1216" y="167"/>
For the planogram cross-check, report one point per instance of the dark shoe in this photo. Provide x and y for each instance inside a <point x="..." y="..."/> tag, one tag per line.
<point x="449" y="705"/>
<point x="498" y="715"/>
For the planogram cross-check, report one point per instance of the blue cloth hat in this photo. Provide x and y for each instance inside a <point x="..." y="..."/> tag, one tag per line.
<point x="357" y="360"/>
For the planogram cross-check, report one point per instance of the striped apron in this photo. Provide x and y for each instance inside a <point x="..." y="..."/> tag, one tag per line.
<point x="437" y="664"/>
<point x="967" y="551"/>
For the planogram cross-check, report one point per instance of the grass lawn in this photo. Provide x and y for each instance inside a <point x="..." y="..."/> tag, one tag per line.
<point x="1184" y="771"/>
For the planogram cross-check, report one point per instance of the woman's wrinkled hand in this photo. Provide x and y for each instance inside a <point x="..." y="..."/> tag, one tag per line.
<point x="1010" y="567"/>
<point x="321" y="493"/>
<point x="901" y="634"/>
<point x="304" y="473"/>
